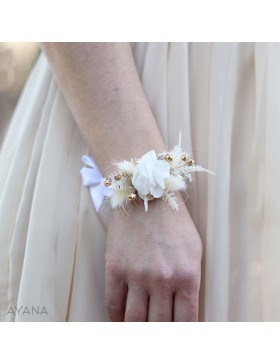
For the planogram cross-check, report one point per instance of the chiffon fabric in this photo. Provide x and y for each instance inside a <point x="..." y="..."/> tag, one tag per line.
<point x="224" y="98"/>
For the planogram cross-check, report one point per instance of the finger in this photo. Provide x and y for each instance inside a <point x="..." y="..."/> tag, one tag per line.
<point x="185" y="306"/>
<point x="136" y="304"/>
<point x="161" y="306"/>
<point x="115" y="297"/>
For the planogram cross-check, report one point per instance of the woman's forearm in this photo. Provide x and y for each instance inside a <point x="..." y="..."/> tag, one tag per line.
<point x="104" y="93"/>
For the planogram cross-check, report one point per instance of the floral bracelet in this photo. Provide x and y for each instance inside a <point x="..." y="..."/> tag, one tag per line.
<point x="150" y="177"/>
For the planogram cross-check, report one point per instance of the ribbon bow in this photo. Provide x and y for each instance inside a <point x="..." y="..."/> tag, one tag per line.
<point x="92" y="178"/>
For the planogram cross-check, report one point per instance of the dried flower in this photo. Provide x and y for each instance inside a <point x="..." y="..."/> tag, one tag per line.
<point x="149" y="175"/>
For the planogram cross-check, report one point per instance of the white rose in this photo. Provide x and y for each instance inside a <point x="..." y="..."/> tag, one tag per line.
<point x="149" y="175"/>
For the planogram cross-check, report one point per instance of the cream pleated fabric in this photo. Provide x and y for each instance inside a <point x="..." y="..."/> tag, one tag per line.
<point x="224" y="98"/>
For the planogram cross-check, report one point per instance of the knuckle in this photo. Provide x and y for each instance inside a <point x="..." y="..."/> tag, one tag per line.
<point x="162" y="277"/>
<point x="113" y="267"/>
<point x="191" y="300"/>
<point x="115" y="311"/>
<point x="161" y="317"/>
<point x="113" y="307"/>
<point x="189" y="277"/>
<point x="135" y="315"/>
<point x="138" y="274"/>
<point x="193" y="317"/>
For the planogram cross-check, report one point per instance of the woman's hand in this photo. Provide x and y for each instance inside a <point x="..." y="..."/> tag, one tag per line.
<point x="153" y="265"/>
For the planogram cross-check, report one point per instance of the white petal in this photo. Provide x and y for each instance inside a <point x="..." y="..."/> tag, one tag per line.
<point x="163" y="166"/>
<point x="156" y="191"/>
<point x="148" y="157"/>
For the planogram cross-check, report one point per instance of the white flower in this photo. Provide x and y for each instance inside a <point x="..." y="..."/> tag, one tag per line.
<point x="149" y="175"/>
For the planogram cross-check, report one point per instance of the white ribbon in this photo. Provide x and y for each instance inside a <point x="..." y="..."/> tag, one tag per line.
<point x="92" y="178"/>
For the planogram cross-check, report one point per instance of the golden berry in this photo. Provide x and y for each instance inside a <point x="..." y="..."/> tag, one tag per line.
<point x="168" y="158"/>
<point x="108" y="182"/>
<point x="132" y="196"/>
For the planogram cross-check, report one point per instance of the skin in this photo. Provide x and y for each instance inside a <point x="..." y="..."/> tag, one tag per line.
<point x="153" y="259"/>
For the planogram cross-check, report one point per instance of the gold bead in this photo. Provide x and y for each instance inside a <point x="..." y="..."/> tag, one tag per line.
<point x="108" y="182"/>
<point x="190" y="162"/>
<point x="184" y="158"/>
<point x="168" y="158"/>
<point x="150" y="196"/>
<point x="117" y="177"/>
<point x="132" y="196"/>
<point x="121" y="173"/>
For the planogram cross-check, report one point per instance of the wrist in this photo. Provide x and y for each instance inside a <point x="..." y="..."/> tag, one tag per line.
<point x="152" y="177"/>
